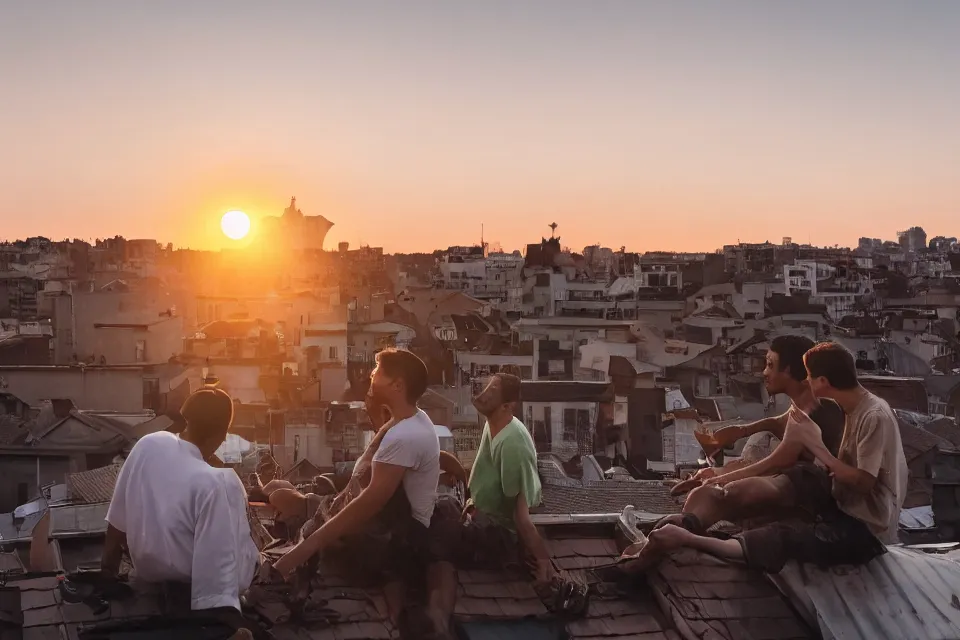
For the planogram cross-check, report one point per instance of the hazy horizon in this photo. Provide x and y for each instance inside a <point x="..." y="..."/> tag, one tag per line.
<point x="680" y="126"/>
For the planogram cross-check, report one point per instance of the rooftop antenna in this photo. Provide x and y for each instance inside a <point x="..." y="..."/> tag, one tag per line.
<point x="553" y="229"/>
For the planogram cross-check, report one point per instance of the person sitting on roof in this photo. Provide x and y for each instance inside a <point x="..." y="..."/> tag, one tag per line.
<point x="389" y="521"/>
<point x="504" y="485"/>
<point x="754" y="489"/>
<point x="504" y="481"/>
<point x="853" y="498"/>
<point x="180" y="519"/>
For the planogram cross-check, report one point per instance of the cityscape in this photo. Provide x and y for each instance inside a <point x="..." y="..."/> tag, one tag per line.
<point x="426" y="320"/>
<point x="623" y="356"/>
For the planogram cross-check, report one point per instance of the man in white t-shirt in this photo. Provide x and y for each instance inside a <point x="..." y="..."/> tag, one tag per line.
<point x="181" y="519"/>
<point x="397" y="505"/>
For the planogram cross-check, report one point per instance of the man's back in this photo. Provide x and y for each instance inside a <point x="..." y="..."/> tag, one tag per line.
<point x="165" y="492"/>
<point x="505" y="467"/>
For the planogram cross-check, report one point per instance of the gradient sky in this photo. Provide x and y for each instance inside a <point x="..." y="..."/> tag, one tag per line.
<point x="656" y="125"/>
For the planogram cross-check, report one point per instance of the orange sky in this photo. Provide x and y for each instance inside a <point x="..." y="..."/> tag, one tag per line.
<point x="653" y="125"/>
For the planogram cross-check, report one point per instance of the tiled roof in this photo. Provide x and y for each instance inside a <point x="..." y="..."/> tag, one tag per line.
<point x="900" y="393"/>
<point x="607" y="496"/>
<point x="917" y="441"/>
<point x="93" y="486"/>
<point x="946" y="429"/>
<point x="12" y="431"/>
<point x="483" y="596"/>
<point x="710" y="598"/>
<point x="702" y="596"/>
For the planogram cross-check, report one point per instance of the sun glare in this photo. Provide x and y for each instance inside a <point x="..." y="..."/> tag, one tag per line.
<point x="235" y="224"/>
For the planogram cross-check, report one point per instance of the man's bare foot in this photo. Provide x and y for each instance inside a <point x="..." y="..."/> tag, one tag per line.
<point x="662" y="540"/>
<point x="674" y="518"/>
<point x="649" y="554"/>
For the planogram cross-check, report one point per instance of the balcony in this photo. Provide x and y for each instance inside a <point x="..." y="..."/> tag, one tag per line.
<point x="357" y="355"/>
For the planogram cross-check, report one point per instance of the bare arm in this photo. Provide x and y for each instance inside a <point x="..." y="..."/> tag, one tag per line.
<point x="113" y="547"/>
<point x="786" y="454"/>
<point x="530" y="537"/>
<point x="775" y="425"/>
<point x="385" y="481"/>
<point x="853" y="477"/>
<point x="861" y="479"/>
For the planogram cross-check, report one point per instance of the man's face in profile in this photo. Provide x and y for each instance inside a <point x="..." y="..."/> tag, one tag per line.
<point x="488" y="401"/>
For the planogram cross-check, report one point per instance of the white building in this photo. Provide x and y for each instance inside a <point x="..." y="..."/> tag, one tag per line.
<point x="825" y="286"/>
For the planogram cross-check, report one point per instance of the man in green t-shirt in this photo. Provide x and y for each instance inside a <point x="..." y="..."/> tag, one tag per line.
<point x="504" y="481"/>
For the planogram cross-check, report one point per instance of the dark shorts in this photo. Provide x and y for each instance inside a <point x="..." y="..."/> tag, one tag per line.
<point x="480" y="542"/>
<point x="391" y="546"/>
<point x="826" y="537"/>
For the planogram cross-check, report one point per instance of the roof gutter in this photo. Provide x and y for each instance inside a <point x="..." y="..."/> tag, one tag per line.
<point x="544" y="519"/>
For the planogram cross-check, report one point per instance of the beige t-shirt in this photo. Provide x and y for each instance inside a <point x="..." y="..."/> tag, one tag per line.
<point x="871" y="442"/>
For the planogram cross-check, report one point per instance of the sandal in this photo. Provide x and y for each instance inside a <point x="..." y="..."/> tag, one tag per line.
<point x="564" y="596"/>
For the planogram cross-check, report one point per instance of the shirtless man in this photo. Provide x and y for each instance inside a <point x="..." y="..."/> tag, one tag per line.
<point x="741" y="490"/>
<point x="854" y="497"/>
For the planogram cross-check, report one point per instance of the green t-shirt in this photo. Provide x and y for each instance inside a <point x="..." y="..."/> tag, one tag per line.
<point x="505" y="467"/>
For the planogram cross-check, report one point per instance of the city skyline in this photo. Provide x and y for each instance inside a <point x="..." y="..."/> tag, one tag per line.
<point x="681" y="127"/>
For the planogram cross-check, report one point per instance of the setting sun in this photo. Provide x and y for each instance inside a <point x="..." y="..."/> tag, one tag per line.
<point x="235" y="224"/>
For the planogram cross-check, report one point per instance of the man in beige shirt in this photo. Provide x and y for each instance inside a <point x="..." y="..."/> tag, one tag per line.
<point x="870" y="471"/>
<point x="852" y="500"/>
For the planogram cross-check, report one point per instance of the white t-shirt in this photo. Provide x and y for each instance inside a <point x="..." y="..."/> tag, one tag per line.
<point x="185" y="521"/>
<point x="413" y="444"/>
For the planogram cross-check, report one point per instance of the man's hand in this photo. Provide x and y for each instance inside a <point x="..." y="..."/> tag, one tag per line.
<point x="807" y="433"/>
<point x="705" y="474"/>
<point x="717" y="481"/>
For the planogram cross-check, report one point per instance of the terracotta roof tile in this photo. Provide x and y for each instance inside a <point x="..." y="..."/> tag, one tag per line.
<point x="93" y="486"/>
<point x="709" y="596"/>
<point x="724" y="601"/>
<point x="607" y="496"/>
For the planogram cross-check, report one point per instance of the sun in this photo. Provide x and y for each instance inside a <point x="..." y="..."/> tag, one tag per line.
<point x="235" y="225"/>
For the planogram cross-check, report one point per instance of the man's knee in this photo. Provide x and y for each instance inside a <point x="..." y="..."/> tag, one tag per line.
<point x="753" y="492"/>
<point x="708" y="494"/>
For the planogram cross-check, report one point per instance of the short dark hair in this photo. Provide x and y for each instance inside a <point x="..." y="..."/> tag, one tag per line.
<point x="509" y="387"/>
<point x="208" y="412"/>
<point x="831" y="361"/>
<point x="398" y="363"/>
<point x="790" y="349"/>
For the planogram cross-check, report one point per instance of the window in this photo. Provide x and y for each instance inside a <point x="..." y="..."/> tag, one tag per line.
<point x="569" y="425"/>
<point x="141" y="351"/>
<point x="332" y="353"/>
<point x="151" y="394"/>
<point x="543" y="431"/>
<point x="23" y="493"/>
